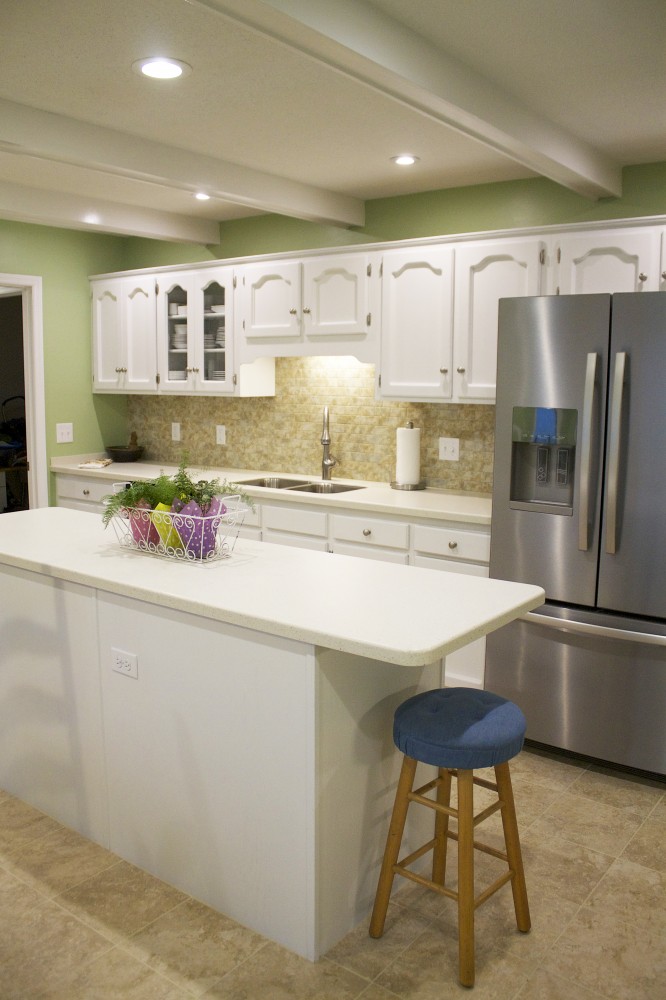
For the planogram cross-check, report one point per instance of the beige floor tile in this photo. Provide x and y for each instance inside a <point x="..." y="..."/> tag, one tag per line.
<point x="115" y="976"/>
<point x="545" y="985"/>
<point x="560" y="867"/>
<point x="16" y="899"/>
<point x="276" y="974"/>
<point x="590" y="823"/>
<point x="120" y="900"/>
<point x="634" y="892"/>
<point x="375" y="992"/>
<point x="620" y="960"/>
<point x="428" y="970"/>
<point x="620" y="789"/>
<point x="41" y="947"/>
<point x="59" y="860"/>
<point x="194" y="946"/>
<point x="370" y="956"/>
<point x="20" y="824"/>
<point x="553" y="771"/>
<point x="648" y="845"/>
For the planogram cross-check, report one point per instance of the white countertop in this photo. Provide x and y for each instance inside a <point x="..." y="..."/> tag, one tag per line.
<point x="378" y="497"/>
<point x="399" y="614"/>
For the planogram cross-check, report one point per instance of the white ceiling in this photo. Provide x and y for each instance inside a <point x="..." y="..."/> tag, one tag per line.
<point x="296" y="106"/>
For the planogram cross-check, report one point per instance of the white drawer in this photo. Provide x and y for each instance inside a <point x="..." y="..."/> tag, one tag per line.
<point x="252" y="518"/>
<point x="448" y="565"/>
<point x="80" y="488"/>
<point x="370" y="531"/>
<point x="291" y="538"/>
<point x="303" y="522"/>
<point x="366" y="552"/>
<point x="453" y="543"/>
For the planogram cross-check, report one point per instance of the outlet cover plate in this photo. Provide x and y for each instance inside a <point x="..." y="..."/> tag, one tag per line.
<point x="220" y="434"/>
<point x="449" y="449"/>
<point x="124" y="663"/>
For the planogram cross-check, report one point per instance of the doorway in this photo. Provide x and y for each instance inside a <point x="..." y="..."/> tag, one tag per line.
<point x="23" y="468"/>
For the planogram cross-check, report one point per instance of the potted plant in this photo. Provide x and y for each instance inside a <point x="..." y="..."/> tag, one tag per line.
<point x="175" y="511"/>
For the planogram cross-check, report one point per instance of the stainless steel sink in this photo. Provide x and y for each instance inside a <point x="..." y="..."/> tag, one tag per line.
<point x="272" y="482"/>
<point x="323" y="487"/>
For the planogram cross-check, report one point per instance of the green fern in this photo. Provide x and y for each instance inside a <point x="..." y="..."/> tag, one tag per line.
<point x="165" y="489"/>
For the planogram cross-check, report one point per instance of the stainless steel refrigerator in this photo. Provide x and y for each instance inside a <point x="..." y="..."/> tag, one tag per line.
<point x="579" y="507"/>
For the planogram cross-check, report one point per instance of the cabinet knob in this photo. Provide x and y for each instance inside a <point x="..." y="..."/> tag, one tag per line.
<point x="367" y="532"/>
<point x="196" y="371"/>
<point x="118" y="371"/>
<point x="444" y="371"/>
<point x="453" y="545"/>
<point x="86" y="493"/>
<point x="642" y="276"/>
<point x="461" y="371"/>
<point x="305" y="310"/>
<point x="189" y="370"/>
<point x="292" y="312"/>
<point x="663" y="274"/>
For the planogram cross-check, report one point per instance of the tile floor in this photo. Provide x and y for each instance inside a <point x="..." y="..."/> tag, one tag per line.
<point x="77" y="923"/>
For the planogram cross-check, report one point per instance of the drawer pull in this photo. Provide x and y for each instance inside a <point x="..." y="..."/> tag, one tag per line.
<point x="453" y="545"/>
<point x="367" y="532"/>
<point x="86" y="493"/>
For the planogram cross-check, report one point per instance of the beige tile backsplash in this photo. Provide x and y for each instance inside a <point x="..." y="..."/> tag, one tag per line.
<point x="282" y="433"/>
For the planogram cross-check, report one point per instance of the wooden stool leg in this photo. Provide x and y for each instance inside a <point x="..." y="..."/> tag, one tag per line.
<point x="441" y="827"/>
<point x="466" y="877"/>
<point x="512" y="840"/>
<point x="392" y="850"/>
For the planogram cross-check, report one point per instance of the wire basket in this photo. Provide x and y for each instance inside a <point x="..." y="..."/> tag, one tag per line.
<point x="181" y="535"/>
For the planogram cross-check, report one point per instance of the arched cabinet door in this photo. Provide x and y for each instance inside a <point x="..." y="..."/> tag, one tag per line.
<point x="605" y="262"/>
<point x="124" y="344"/>
<point x="417" y="324"/>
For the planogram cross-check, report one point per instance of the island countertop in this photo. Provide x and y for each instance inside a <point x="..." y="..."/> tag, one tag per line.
<point x="399" y="614"/>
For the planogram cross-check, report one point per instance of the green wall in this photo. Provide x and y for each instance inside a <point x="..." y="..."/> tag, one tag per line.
<point x="65" y="259"/>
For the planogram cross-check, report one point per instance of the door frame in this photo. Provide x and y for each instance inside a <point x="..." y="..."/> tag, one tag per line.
<point x="30" y="288"/>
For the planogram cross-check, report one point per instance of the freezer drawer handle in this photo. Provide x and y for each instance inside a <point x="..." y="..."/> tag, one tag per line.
<point x="586" y="454"/>
<point x="614" y="452"/>
<point x="584" y="628"/>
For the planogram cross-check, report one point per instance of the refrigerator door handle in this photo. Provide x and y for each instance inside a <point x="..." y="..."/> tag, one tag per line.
<point x="614" y="451"/>
<point x="585" y="628"/>
<point x="586" y="453"/>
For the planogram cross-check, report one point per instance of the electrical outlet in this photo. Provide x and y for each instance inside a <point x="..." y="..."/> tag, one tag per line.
<point x="64" y="433"/>
<point x="175" y="432"/>
<point x="125" y="663"/>
<point x="449" y="449"/>
<point x="220" y="434"/>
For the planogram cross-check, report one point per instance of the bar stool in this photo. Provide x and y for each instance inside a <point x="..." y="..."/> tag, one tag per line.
<point x="458" y="730"/>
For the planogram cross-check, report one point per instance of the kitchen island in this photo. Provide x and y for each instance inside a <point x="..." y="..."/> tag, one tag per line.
<point x="227" y="725"/>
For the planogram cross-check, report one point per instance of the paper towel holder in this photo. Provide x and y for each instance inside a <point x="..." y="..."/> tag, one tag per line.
<point x="408" y="486"/>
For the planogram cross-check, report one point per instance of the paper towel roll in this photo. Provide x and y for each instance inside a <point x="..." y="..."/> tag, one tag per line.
<point x="408" y="456"/>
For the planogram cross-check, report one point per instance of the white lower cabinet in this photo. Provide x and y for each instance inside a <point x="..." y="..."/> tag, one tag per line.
<point x="82" y="493"/>
<point x="370" y="537"/>
<point x="307" y="529"/>
<point x="456" y="550"/>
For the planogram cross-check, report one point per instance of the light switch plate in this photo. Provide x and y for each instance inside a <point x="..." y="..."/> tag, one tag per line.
<point x="220" y="434"/>
<point x="175" y="432"/>
<point x="64" y="433"/>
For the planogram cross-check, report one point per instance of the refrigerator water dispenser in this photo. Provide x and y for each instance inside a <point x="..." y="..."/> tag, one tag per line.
<point x="542" y="459"/>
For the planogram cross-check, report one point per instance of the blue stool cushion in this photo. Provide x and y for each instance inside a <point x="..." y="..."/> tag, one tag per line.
<point x="459" y="727"/>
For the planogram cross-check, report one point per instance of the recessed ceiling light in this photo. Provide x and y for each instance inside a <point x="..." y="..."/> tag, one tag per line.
<point x="404" y="160"/>
<point x="202" y="196"/>
<point x="161" y="68"/>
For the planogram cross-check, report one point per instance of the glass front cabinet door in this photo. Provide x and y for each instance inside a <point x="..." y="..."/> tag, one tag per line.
<point x="193" y="318"/>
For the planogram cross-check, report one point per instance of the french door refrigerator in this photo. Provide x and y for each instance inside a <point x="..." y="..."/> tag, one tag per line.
<point x="579" y="508"/>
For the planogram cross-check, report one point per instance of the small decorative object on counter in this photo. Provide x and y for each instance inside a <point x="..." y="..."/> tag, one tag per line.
<point x="175" y="517"/>
<point x="131" y="452"/>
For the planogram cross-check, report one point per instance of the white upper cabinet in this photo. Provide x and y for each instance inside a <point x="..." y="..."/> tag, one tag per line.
<point x="124" y="346"/>
<point x="417" y="323"/>
<point x="322" y="305"/>
<point x="485" y="273"/>
<point x="611" y="260"/>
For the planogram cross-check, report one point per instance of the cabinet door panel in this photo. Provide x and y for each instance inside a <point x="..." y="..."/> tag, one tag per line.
<point x="271" y="300"/>
<point x="107" y="334"/>
<point x="417" y="303"/>
<point x="609" y="262"/>
<point x="335" y="296"/>
<point x="484" y="274"/>
<point x="175" y="332"/>
<point x="139" y="329"/>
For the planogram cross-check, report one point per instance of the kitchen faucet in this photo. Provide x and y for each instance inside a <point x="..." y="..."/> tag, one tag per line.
<point x="328" y="461"/>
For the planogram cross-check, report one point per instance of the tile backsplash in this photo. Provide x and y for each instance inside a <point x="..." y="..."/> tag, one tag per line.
<point x="282" y="433"/>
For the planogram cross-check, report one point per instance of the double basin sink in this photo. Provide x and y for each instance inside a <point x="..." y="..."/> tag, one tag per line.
<point x="298" y="486"/>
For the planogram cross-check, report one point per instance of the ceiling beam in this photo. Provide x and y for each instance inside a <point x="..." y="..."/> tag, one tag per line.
<point x="370" y="47"/>
<point x="49" y="208"/>
<point x="58" y="138"/>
